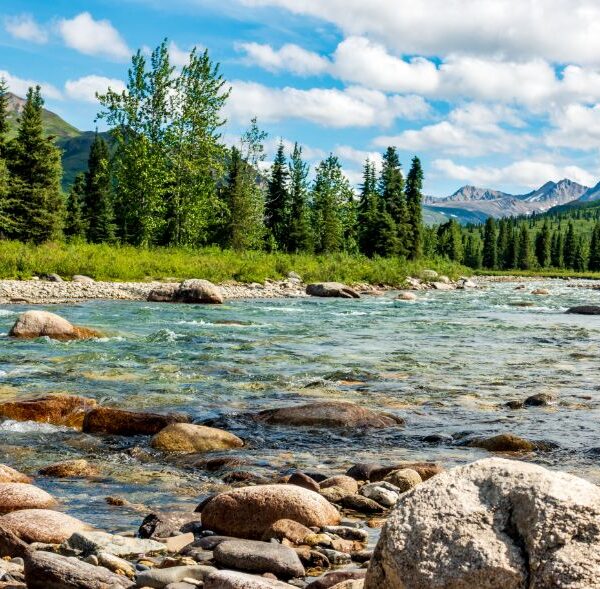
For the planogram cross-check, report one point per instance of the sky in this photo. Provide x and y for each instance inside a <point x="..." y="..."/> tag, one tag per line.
<point x="502" y="94"/>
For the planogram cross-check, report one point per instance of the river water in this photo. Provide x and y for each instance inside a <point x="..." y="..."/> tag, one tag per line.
<point x="447" y="363"/>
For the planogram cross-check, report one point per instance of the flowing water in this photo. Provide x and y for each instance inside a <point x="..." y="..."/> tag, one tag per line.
<point x="447" y="363"/>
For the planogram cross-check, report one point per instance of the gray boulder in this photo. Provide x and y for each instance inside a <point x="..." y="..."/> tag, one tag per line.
<point x="160" y="578"/>
<point x="331" y="289"/>
<point x="93" y="542"/>
<point x="199" y="291"/>
<point x="493" y="524"/>
<point x="235" y="580"/>
<point x="584" y="310"/>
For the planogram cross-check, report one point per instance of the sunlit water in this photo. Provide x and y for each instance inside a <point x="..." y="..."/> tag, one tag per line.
<point x="446" y="363"/>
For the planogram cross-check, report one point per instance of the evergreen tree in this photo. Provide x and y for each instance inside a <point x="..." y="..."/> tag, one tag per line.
<point x="395" y="227"/>
<point x="98" y="211"/>
<point x="37" y="203"/>
<point x="579" y="259"/>
<point x="503" y="245"/>
<point x="3" y="118"/>
<point x="473" y="256"/>
<point x="594" y="259"/>
<point x="557" y="249"/>
<point x="75" y="225"/>
<point x="543" y="246"/>
<point x="369" y="211"/>
<point x="450" y="241"/>
<point x="300" y="232"/>
<point x="569" y="247"/>
<point x="6" y="220"/>
<point x="414" y="210"/>
<point x="277" y="205"/>
<point x="524" y="254"/>
<point x="490" y="245"/>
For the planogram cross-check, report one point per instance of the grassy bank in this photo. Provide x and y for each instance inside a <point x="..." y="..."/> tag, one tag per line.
<point x="104" y="262"/>
<point x="541" y="273"/>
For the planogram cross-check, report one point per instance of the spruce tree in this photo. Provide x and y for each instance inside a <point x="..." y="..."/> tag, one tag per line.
<point x="369" y="211"/>
<point x="6" y="220"/>
<point x="557" y="249"/>
<point x="579" y="259"/>
<point x="524" y="254"/>
<point x="569" y="247"/>
<point x="503" y="246"/>
<point x="75" y="225"/>
<point x="391" y="189"/>
<point x="300" y="231"/>
<point x="594" y="259"/>
<point x="277" y="204"/>
<point x="490" y="245"/>
<point x="35" y="168"/>
<point x="414" y="210"/>
<point x="98" y="210"/>
<point x="543" y="246"/>
<point x="473" y="256"/>
<point x="450" y="243"/>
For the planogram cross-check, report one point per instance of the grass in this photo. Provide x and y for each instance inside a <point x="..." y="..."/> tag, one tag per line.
<point x="126" y="263"/>
<point x="541" y="273"/>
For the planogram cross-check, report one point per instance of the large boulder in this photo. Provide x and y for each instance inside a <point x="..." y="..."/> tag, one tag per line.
<point x="45" y="570"/>
<point x="250" y="511"/>
<point x="67" y="410"/>
<point x="328" y="414"/>
<point x="504" y="443"/>
<point x="109" y="420"/>
<point x="32" y="324"/>
<point x="331" y="289"/>
<point x="199" y="291"/>
<point x="14" y="496"/>
<point x="585" y="310"/>
<point x="187" y="437"/>
<point x="42" y="525"/>
<point x="10" y="475"/>
<point x="493" y="524"/>
<point x="11" y="545"/>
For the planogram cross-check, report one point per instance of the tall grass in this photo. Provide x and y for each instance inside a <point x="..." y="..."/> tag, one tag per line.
<point x="126" y="263"/>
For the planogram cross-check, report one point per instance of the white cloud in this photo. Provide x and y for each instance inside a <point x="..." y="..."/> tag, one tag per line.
<point x="523" y="173"/>
<point x="357" y="156"/>
<point x="177" y="56"/>
<point x="351" y="107"/>
<point x="288" y="58"/>
<point x="19" y="86"/>
<point x="93" y="37"/>
<point x="85" y="88"/>
<point x="561" y="31"/>
<point x="23" y="26"/>
<point x="576" y="126"/>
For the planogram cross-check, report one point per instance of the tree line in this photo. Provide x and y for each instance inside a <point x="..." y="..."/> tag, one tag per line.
<point x="167" y="178"/>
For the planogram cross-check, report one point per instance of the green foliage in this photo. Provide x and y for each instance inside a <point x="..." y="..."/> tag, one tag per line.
<point x="594" y="261"/>
<point x="394" y="215"/>
<point x="490" y="244"/>
<point x="75" y="225"/>
<point x="524" y="253"/>
<point x="300" y="230"/>
<point x="449" y="239"/>
<point x="278" y="205"/>
<point x="414" y="210"/>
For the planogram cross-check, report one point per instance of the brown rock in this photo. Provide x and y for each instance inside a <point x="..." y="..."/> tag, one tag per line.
<point x="342" y="481"/>
<point x="77" y="468"/>
<point x="235" y="580"/>
<point x="109" y="420"/>
<point x="10" y="475"/>
<point x="361" y="504"/>
<point x="56" y="409"/>
<point x="328" y="414"/>
<point x="164" y="294"/>
<point x="250" y="511"/>
<point x="10" y="544"/>
<point x="331" y="289"/>
<point x="219" y="463"/>
<point x="504" y="443"/>
<point x="163" y="525"/>
<point x="14" y="496"/>
<point x="304" y="481"/>
<point x="199" y="292"/>
<point x="32" y="324"/>
<point x="288" y="529"/>
<point x="425" y="469"/>
<point x="332" y="579"/>
<point x="42" y="525"/>
<point x="187" y="437"/>
<point x="405" y="479"/>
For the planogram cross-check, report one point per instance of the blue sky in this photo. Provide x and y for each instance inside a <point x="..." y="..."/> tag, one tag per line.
<point x="497" y="93"/>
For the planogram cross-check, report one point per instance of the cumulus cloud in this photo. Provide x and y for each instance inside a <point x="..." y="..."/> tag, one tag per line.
<point x="85" y="88"/>
<point x="290" y="58"/>
<point x="19" y="86"/>
<point x="23" y="26"/>
<point x="93" y="37"/>
<point x="351" y="107"/>
<point x="524" y="173"/>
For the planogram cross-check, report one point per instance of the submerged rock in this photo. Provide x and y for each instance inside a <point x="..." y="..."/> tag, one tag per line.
<point x="539" y="400"/>
<point x="493" y="524"/>
<point x="187" y="437"/>
<point x="67" y="410"/>
<point x="331" y="289"/>
<point x="109" y="420"/>
<point x="504" y="443"/>
<point x="42" y="525"/>
<point x="328" y="414"/>
<point x="32" y="324"/>
<point x="584" y="310"/>
<point x="10" y="475"/>
<point x="407" y="296"/>
<point x="250" y="511"/>
<point x="77" y="468"/>
<point x="14" y="496"/>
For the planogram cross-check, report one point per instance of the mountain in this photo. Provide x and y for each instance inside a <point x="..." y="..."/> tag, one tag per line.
<point x="591" y="195"/>
<point x="471" y="193"/>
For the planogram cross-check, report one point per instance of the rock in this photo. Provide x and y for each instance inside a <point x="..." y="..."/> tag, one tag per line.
<point x="328" y="414"/>
<point x="337" y="487"/>
<point x="109" y="420"/>
<point x="333" y="579"/>
<point x="347" y="533"/>
<point x="82" y="278"/>
<point x="199" y="291"/>
<point x="32" y="324"/>
<point x="187" y="437"/>
<point x="294" y="277"/>
<point x="176" y="544"/>
<point x="303" y="480"/>
<point x="219" y="463"/>
<point x="407" y="296"/>
<point x="503" y="443"/>
<point x="163" y="525"/>
<point x="404" y="479"/>
<point x="235" y="580"/>
<point x="259" y="557"/>
<point x="539" y="400"/>
<point x="115" y="564"/>
<point x="362" y="471"/>
<point x="15" y="496"/>
<point x="42" y="525"/>
<point x="361" y="504"/>
<point x="45" y="570"/>
<point x="464" y="282"/>
<point x="350" y="584"/>
<point x="164" y="294"/>
<point x="425" y="469"/>
<point x="160" y="578"/>
<point x="493" y="524"/>
<point x="585" y="310"/>
<point x="331" y="289"/>
<point x="77" y="468"/>
<point x="94" y="542"/>
<point x="540" y="291"/>
<point x="442" y="286"/>
<point x="248" y="512"/>
<point x="11" y="545"/>
<point x="514" y="404"/>
<point x="383" y="493"/>
<point x="56" y="409"/>
<point x="10" y="475"/>
<point x="288" y="529"/>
